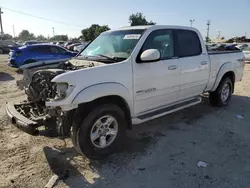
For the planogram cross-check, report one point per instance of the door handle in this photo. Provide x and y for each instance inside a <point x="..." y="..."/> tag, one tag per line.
<point x="172" y="67"/>
<point x="204" y="63"/>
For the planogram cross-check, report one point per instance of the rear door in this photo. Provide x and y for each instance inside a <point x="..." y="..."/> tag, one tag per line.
<point x="39" y="53"/>
<point x="156" y="83"/>
<point x="194" y="63"/>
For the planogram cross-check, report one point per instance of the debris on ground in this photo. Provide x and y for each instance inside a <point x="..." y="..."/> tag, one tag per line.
<point x="52" y="181"/>
<point x="202" y="164"/>
<point x="239" y="116"/>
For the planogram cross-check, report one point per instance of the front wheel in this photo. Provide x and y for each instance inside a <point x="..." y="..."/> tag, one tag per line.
<point x="101" y="133"/>
<point x="222" y="95"/>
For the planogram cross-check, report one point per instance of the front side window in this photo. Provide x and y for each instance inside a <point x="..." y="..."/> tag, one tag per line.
<point x="57" y="50"/>
<point x="114" y="44"/>
<point x="161" y="40"/>
<point x="188" y="43"/>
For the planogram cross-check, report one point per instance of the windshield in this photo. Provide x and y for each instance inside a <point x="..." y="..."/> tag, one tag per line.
<point x="113" y="44"/>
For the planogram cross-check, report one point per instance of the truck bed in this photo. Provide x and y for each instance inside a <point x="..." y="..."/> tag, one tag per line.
<point x="213" y="52"/>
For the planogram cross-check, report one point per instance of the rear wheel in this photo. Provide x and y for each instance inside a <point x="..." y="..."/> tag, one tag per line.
<point x="223" y="94"/>
<point x="101" y="133"/>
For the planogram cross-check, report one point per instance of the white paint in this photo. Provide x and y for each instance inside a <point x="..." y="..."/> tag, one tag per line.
<point x="149" y="86"/>
<point x="150" y="55"/>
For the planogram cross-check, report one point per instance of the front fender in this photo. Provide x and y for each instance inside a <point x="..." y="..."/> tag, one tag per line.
<point x="93" y="92"/>
<point x="226" y="67"/>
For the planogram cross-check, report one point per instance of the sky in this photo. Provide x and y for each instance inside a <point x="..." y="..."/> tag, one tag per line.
<point x="229" y="17"/>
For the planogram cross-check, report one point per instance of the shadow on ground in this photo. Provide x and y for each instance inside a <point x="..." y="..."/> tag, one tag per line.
<point x="5" y="76"/>
<point x="65" y="162"/>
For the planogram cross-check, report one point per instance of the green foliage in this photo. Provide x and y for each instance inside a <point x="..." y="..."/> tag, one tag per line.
<point x="59" y="38"/>
<point x="93" y="31"/>
<point x="238" y="39"/>
<point x="26" y="35"/>
<point x="41" y="38"/>
<point x="139" y="19"/>
<point x="5" y="36"/>
<point x="208" y="40"/>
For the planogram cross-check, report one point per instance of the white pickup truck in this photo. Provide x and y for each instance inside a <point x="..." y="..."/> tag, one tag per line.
<point x="124" y="77"/>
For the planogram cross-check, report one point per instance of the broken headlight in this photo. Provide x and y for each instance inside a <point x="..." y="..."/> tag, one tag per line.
<point x="63" y="90"/>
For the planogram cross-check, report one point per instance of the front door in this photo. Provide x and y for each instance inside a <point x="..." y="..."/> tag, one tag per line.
<point x="157" y="84"/>
<point x="194" y="64"/>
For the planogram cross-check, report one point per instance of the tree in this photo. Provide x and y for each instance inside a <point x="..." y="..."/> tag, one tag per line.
<point x="139" y="19"/>
<point x="5" y="36"/>
<point x="93" y="31"/>
<point x="222" y="38"/>
<point x="41" y="38"/>
<point x="26" y="35"/>
<point x="208" y="40"/>
<point x="59" y="38"/>
<point x="238" y="39"/>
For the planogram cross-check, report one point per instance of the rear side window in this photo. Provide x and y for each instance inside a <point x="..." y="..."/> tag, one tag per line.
<point x="188" y="43"/>
<point x="41" y="49"/>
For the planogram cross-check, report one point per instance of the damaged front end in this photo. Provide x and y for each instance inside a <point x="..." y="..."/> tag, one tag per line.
<point x="33" y="116"/>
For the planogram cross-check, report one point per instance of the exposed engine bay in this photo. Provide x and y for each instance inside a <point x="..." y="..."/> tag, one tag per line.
<point x="40" y="89"/>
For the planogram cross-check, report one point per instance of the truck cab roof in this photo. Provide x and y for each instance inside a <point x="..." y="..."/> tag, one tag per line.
<point x="154" y="27"/>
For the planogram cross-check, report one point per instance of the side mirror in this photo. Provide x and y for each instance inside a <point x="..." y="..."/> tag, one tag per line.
<point x="150" y="55"/>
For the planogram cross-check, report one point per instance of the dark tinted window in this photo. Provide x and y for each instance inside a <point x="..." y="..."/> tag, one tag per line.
<point x="188" y="43"/>
<point x="41" y="49"/>
<point x="161" y="40"/>
<point x="57" y="50"/>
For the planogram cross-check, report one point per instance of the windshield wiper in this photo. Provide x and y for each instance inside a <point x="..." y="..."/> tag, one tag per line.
<point x="109" y="58"/>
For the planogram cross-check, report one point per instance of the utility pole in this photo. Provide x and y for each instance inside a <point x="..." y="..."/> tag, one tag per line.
<point x="53" y="31"/>
<point x="14" y="34"/>
<point x="1" y="23"/>
<point x="219" y="34"/>
<point x="191" y="22"/>
<point x="208" y="27"/>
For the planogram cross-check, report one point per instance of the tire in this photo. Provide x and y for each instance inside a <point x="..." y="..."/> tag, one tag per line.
<point x="29" y="61"/>
<point x="104" y="143"/>
<point x="223" y="94"/>
<point x="1" y="51"/>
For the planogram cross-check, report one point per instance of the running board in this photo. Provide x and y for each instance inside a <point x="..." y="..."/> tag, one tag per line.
<point x="167" y="110"/>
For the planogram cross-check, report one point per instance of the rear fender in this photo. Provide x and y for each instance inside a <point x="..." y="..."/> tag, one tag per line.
<point x="226" y="67"/>
<point x="102" y="90"/>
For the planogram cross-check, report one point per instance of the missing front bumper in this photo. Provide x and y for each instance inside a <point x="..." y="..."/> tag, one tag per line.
<point x="20" y="121"/>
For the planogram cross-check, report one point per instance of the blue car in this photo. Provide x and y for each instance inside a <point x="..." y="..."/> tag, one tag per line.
<point x="37" y="52"/>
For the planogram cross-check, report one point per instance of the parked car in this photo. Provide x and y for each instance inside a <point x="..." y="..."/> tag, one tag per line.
<point x="124" y="77"/>
<point x="37" y="52"/>
<point x="246" y="52"/>
<point x="80" y="47"/>
<point x="60" y="43"/>
<point x="6" y="45"/>
<point x="30" y="42"/>
<point x="71" y="47"/>
<point x="242" y="46"/>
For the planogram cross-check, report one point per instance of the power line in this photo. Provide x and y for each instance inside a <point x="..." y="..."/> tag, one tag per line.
<point x="42" y="18"/>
